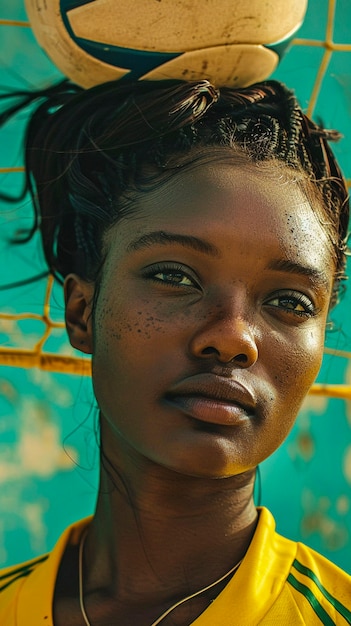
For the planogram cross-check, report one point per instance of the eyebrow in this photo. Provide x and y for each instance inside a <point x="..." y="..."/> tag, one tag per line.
<point x="160" y="237"/>
<point x="285" y="265"/>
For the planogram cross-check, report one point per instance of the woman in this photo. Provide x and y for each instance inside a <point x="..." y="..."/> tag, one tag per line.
<point x="201" y="238"/>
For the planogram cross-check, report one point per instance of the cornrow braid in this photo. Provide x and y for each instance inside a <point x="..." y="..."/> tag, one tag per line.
<point x="87" y="151"/>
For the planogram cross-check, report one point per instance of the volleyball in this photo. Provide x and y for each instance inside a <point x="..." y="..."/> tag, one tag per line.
<point x="232" y="43"/>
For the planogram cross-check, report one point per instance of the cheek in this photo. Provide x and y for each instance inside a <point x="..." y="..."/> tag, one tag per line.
<point x="295" y="375"/>
<point x="290" y="367"/>
<point x="122" y="321"/>
<point x="133" y="337"/>
<point x="131" y="319"/>
<point x="122" y="350"/>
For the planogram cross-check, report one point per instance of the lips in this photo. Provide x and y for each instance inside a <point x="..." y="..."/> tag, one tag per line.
<point x="213" y="399"/>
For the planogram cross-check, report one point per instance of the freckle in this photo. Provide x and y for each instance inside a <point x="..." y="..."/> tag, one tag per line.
<point x="139" y="330"/>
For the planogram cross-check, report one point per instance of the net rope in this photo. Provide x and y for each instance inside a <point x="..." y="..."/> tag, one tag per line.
<point x="38" y="356"/>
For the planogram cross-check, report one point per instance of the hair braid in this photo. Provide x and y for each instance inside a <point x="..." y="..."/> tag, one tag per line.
<point x="87" y="150"/>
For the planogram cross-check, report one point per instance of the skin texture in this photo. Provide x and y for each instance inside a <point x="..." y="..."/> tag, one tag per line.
<point x="244" y="310"/>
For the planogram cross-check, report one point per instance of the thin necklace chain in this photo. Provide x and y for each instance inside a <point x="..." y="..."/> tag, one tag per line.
<point x="167" y="612"/>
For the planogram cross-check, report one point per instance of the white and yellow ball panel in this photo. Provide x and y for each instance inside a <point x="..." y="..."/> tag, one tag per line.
<point x="95" y="41"/>
<point x="231" y="65"/>
<point x="173" y="25"/>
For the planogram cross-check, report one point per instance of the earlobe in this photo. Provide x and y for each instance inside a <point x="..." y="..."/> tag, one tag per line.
<point x="78" y="308"/>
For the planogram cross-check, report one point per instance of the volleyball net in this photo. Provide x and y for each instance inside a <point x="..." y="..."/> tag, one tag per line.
<point x="317" y="59"/>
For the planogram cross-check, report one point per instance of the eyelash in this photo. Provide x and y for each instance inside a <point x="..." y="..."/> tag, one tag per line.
<point x="171" y="270"/>
<point x="174" y="269"/>
<point x="298" y="299"/>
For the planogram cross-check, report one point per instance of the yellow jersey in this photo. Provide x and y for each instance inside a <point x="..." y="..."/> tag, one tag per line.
<point x="280" y="582"/>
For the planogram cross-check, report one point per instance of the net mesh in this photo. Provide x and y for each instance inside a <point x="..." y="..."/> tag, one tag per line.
<point x="39" y="354"/>
<point x="49" y="460"/>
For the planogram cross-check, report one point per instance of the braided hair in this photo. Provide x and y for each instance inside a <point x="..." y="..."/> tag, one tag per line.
<point x="86" y="151"/>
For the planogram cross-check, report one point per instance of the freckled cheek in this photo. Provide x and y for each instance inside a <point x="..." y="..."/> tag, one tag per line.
<point x="139" y="348"/>
<point x="125" y="327"/>
<point x="297" y="366"/>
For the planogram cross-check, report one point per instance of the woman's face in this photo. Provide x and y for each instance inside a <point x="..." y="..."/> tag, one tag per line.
<point x="209" y="325"/>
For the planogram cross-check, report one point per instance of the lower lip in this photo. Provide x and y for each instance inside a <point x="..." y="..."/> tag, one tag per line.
<point x="210" y="410"/>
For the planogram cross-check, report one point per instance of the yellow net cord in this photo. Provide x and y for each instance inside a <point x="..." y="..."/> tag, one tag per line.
<point x="38" y="357"/>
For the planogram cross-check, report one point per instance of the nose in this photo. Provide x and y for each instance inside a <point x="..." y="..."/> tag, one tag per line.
<point x="227" y="337"/>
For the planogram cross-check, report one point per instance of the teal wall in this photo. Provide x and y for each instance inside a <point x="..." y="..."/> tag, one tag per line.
<point x="48" y="453"/>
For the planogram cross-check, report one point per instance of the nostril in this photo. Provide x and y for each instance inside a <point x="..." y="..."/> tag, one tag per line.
<point x="210" y="350"/>
<point x="241" y="358"/>
<point x="238" y="358"/>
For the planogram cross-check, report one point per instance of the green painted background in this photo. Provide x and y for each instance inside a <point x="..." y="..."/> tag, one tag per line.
<point x="48" y="455"/>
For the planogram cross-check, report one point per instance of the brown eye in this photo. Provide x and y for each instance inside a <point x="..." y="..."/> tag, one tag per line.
<point x="171" y="275"/>
<point x="177" y="278"/>
<point x="292" y="302"/>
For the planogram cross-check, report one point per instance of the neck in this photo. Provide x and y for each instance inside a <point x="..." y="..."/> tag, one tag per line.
<point x="161" y="526"/>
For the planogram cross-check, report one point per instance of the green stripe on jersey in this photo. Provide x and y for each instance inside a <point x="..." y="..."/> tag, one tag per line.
<point x="336" y="604"/>
<point x="309" y="595"/>
<point x="19" y="572"/>
<point x="21" y="575"/>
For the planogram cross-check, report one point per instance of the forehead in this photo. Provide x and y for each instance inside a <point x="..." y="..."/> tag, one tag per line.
<point x="237" y="204"/>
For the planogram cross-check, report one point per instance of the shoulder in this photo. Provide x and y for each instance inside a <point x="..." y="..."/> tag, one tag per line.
<point x="281" y="582"/>
<point x="27" y="590"/>
<point x="11" y="583"/>
<point x="298" y="585"/>
<point x="319" y="590"/>
<point x="320" y="583"/>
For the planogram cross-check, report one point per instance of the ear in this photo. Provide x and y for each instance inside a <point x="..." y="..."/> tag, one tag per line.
<point x="78" y="304"/>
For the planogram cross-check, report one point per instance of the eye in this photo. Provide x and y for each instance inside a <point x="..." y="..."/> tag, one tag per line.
<point x="170" y="274"/>
<point x="293" y="302"/>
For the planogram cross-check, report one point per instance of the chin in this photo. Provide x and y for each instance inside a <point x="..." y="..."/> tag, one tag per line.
<point x="211" y="464"/>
